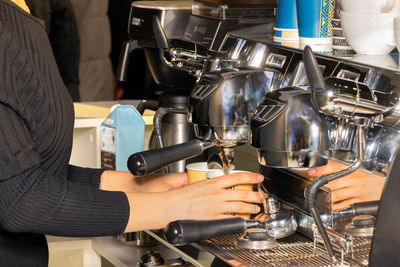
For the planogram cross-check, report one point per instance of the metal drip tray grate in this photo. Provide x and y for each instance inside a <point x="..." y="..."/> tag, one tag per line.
<point x="295" y="250"/>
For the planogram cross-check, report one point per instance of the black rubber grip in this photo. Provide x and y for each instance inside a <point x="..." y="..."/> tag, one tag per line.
<point x="184" y="232"/>
<point x="366" y="208"/>
<point x="150" y="161"/>
<point x="313" y="72"/>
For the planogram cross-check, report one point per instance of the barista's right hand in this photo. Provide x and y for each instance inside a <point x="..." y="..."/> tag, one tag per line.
<point x="206" y="200"/>
<point x="358" y="186"/>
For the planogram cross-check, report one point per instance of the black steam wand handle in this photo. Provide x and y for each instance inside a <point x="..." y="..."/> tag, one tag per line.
<point x="145" y="162"/>
<point x="159" y="33"/>
<point x="314" y="75"/>
<point x="183" y="232"/>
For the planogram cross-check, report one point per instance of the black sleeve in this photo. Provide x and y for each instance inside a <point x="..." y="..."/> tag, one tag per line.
<point x="86" y="176"/>
<point x="37" y="201"/>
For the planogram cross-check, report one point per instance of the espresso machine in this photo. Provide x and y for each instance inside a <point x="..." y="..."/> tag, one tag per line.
<point x="299" y="111"/>
<point x="320" y="108"/>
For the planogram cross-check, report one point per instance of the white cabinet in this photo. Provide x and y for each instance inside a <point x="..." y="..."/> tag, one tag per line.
<point x="86" y="143"/>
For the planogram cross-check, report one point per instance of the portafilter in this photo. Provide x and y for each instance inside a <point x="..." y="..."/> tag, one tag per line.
<point x="275" y="223"/>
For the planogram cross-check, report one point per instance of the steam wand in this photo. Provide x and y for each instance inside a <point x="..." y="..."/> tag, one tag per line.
<point x="323" y="180"/>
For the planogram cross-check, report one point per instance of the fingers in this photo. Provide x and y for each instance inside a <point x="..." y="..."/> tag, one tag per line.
<point x="344" y="193"/>
<point x="262" y="217"/>
<point x="241" y="178"/>
<point x="240" y="207"/>
<point x="178" y="179"/>
<point x="344" y="204"/>
<point x="331" y="167"/>
<point x="242" y="195"/>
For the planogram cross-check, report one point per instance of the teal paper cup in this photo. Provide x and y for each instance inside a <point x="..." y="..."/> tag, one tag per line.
<point x="315" y="21"/>
<point x="286" y="17"/>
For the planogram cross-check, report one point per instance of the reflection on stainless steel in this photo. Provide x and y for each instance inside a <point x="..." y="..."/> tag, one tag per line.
<point x="221" y="104"/>
<point x="279" y="222"/>
<point x="348" y="99"/>
<point x="219" y="64"/>
<point x="361" y="226"/>
<point x="188" y="57"/>
<point x="288" y="131"/>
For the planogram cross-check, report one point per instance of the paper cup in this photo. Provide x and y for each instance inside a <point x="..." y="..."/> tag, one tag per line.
<point x="315" y="21"/>
<point x="214" y="174"/>
<point x="320" y="49"/>
<point x="287" y="42"/>
<point x="286" y="17"/>
<point x="197" y="171"/>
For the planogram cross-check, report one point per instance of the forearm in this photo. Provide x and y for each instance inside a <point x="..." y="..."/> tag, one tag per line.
<point x="126" y="182"/>
<point x="150" y="211"/>
<point x="119" y="181"/>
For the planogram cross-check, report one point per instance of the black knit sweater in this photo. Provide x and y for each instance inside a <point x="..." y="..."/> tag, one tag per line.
<point x="39" y="192"/>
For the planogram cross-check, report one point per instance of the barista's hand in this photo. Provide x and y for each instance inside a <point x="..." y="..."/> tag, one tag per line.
<point x="126" y="182"/>
<point x="160" y="183"/>
<point x="359" y="186"/>
<point x="205" y="200"/>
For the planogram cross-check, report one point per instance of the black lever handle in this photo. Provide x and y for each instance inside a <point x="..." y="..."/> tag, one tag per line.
<point x="152" y="160"/>
<point x="313" y="72"/>
<point x="159" y="33"/>
<point x="183" y="232"/>
<point x="123" y="63"/>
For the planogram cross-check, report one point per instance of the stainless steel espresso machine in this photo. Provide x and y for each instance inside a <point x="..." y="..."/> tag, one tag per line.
<point x="299" y="110"/>
<point x="320" y="108"/>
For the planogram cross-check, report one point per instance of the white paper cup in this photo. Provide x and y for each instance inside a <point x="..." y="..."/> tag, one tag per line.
<point x="197" y="171"/>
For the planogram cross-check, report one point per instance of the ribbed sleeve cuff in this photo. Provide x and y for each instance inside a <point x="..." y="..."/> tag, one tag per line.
<point x="107" y="215"/>
<point x="86" y="176"/>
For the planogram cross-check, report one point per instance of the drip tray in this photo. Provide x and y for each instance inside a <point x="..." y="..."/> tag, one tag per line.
<point x="295" y="250"/>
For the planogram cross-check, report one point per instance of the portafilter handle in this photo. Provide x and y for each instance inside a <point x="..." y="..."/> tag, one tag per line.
<point x="146" y="162"/>
<point x="183" y="232"/>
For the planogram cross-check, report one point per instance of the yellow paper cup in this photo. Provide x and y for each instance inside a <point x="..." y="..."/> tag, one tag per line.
<point x="197" y="171"/>
<point x="214" y="174"/>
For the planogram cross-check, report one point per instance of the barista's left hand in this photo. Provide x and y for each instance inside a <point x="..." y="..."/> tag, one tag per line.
<point x="356" y="187"/>
<point x="126" y="182"/>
